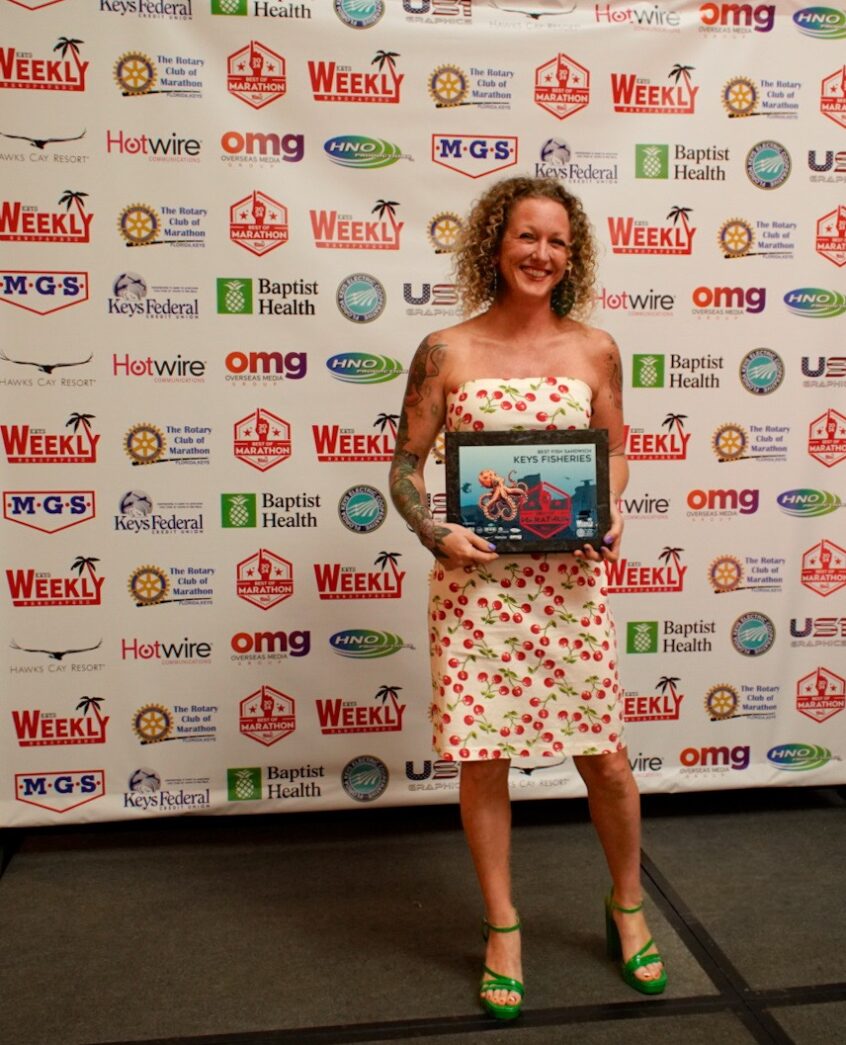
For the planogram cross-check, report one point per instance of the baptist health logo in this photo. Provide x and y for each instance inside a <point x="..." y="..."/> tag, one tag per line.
<point x="235" y="297"/>
<point x="647" y="370"/>
<point x="238" y="511"/>
<point x="652" y="161"/>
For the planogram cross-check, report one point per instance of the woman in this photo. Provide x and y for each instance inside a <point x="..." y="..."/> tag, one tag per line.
<point x="523" y="647"/>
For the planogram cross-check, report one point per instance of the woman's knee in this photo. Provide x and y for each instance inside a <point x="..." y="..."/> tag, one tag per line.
<point x="610" y="772"/>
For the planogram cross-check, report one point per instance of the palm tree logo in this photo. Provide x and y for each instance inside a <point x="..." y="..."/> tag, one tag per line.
<point x="80" y="419"/>
<point x="677" y="213"/>
<point x="667" y="682"/>
<point x="82" y="562"/>
<point x="69" y="197"/>
<point x="679" y="71"/>
<point x="388" y="207"/>
<point x="671" y="553"/>
<point x="384" y="58"/>
<point x="383" y="558"/>
<point x="87" y="704"/>
<point x="66" y="44"/>
<point x="674" y="422"/>
<point x="388" y="691"/>
<point x="383" y="420"/>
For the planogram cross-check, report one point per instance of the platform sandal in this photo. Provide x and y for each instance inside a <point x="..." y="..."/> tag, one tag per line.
<point x="498" y="982"/>
<point x="639" y="959"/>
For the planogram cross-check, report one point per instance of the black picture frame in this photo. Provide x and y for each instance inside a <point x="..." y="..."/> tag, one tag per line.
<point x="555" y="496"/>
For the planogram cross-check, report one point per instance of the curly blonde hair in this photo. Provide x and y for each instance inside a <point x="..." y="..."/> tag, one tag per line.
<point x="475" y="256"/>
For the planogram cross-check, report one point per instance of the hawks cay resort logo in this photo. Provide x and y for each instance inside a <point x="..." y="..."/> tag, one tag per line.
<point x="240" y="511"/>
<point x="264" y="579"/>
<point x="815" y="302"/>
<point x="147" y="444"/>
<point x="334" y="82"/>
<point x="262" y="440"/>
<point x="334" y="443"/>
<point x="43" y="292"/>
<point x="65" y="151"/>
<point x="141" y="225"/>
<point x="49" y="511"/>
<point x="742" y="97"/>
<point x="337" y="581"/>
<point x="242" y="296"/>
<point x="556" y="159"/>
<point x="657" y="370"/>
<point x="831" y="236"/>
<point x="741" y="238"/>
<point x="827" y="438"/>
<point x="55" y="659"/>
<point x="24" y="222"/>
<point x="363" y="368"/>
<point x="61" y="790"/>
<point x="24" y="444"/>
<point x="632" y="93"/>
<point x="689" y="163"/>
<point x="820" y="694"/>
<point x="154" y="148"/>
<point x="562" y="86"/>
<point x="486" y="87"/>
<point x="137" y="513"/>
<point x="724" y="701"/>
<point x="262" y="8"/>
<point x="334" y="230"/>
<point x="821" y="23"/>
<point x="152" y="585"/>
<point x="37" y="728"/>
<point x="627" y="576"/>
<point x="731" y="573"/>
<point x="255" y="75"/>
<point x="134" y="297"/>
<point x="474" y="155"/>
<point x="258" y="223"/>
<point x="663" y="706"/>
<point x="383" y="715"/>
<point x="137" y="75"/>
<point x="643" y="445"/>
<point x="44" y="370"/>
<point x="267" y="715"/>
<point x="636" y="236"/>
<point x="736" y="18"/>
<point x="38" y="587"/>
<point x="22" y="70"/>
<point x="669" y="636"/>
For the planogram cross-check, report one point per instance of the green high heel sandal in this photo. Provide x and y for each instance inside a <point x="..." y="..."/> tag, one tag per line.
<point x="498" y="981"/>
<point x="638" y="959"/>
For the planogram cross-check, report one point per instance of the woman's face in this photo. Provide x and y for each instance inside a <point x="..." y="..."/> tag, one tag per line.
<point x="534" y="252"/>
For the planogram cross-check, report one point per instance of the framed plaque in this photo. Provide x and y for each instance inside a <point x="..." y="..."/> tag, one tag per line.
<point x="530" y="491"/>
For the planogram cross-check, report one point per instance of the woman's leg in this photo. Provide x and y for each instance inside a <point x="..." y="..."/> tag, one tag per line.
<point x="486" y="816"/>
<point x="615" y="810"/>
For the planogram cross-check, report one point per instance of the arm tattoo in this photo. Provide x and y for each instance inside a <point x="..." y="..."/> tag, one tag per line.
<point x="615" y="376"/>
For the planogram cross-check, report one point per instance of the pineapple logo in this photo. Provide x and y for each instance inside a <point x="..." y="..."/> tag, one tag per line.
<point x="237" y="511"/>
<point x="235" y="297"/>
<point x="228" y="7"/>
<point x="652" y="161"/>
<point x="647" y="370"/>
<point x="642" y="636"/>
<point x="244" y="785"/>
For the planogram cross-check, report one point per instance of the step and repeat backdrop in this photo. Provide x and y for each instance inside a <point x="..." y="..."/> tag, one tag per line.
<point x="225" y="227"/>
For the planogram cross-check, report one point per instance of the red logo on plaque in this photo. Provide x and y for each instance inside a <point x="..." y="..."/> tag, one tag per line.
<point x="262" y="440"/>
<point x="833" y="96"/>
<point x="267" y="716"/>
<point x="546" y="511"/>
<point x="827" y="438"/>
<point x="824" y="568"/>
<point x="831" y="236"/>
<point x="256" y="75"/>
<point x="820" y="694"/>
<point x="264" y="579"/>
<point x="562" y="86"/>
<point x="258" y="223"/>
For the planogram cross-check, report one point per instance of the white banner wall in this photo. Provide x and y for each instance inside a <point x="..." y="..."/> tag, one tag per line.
<point x="225" y="227"/>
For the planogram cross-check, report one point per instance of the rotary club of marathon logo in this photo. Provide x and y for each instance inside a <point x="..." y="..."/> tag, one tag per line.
<point x="138" y="75"/>
<point x="151" y="585"/>
<point x="742" y="96"/>
<point x="256" y="75"/>
<point x="141" y="225"/>
<point x="258" y="223"/>
<point x="264" y="579"/>
<point x="443" y="230"/>
<point x="146" y="443"/>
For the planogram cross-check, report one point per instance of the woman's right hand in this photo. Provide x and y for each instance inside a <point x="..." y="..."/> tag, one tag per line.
<point x="457" y="547"/>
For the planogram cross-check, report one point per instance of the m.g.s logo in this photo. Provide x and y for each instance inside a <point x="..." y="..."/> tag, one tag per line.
<point x="60" y="791"/>
<point x="43" y="292"/>
<point x="48" y="510"/>
<point x="474" y="155"/>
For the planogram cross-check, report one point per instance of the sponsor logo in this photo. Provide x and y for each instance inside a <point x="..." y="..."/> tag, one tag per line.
<point x="21" y="70"/>
<point x="261" y="8"/>
<point x="131" y="297"/>
<point x="633" y="236"/>
<point x="331" y="82"/>
<point x="270" y="366"/>
<point x="831" y="235"/>
<point x="753" y="634"/>
<point x="235" y="297"/>
<point x="474" y="155"/>
<point x="833" y="96"/>
<point x="264" y="579"/>
<point x="267" y="715"/>
<point x="728" y="301"/>
<point x="818" y="631"/>
<point x="712" y="504"/>
<point x="140" y="225"/>
<point x="823" y="23"/>
<point x="362" y="509"/>
<point x="26" y="445"/>
<point x="727" y="573"/>
<point x="136" y="74"/>
<point x="742" y="97"/>
<point x="60" y="791"/>
<point x="637" y="94"/>
<point x="768" y="165"/>
<point x="360" y="298"/>
<point x="827" y="438"/>
<point x="137" y="515"/>
<point x="433" y="775"/>
<point x="626" y="576"/>
<point x="443" y="231"/>
<point x="333" y="443"/>
<point x="146" y="444"/>
<point x="562" y="86"/>
<point x="433" y="11"/>
<point x="832" y="168"/>
<point x="640" y="17"/>
<point x="239" y="510"/>
<point x="34" y="5"/>
<point x="27" y="223"/>
<point x="258" y="223"/>
<point x="243" y="784"/>
<point x="798" y="757"/>
<point x="824" y="568"/>
<point x="256" y="75"/>
<point x="346" y="716"/>
<point x="49" y="511"/>
<point x="652" y="161"/>
<point x="35" y="728"/>
<point x="30" y="587"/>
<point x="363" y="368"/>
<point x="336" y="231"/>
<point x="335" y="581"/>
<point x="262" y="440"/>
<point x="43" y="292"/>
<point x="366" y="643"/>
<point x="156" y="148"/>
<point x="737" y="18"/>
<point x="731" y="442"/>
<point x="642" y="303"/>
<point x="258" y="147"/>
<point x="815" y="302"/>
<point x="162" y="371"/>
<point x="365" y="778"/>
<point x="558" y="160"/>
<point x="145" y="792"/>
<point x="645" y="507"/>
<point x="362" y="153"/>
<point x="663" y="707"/>
<point x="166" y="651"/>
<point x="359" y="14"/>
<point x="737" y="238"/>
<point x="714" y="759"/>
<point x="820" y="694"/>
<point x="261" y="646"/>
<point x="658" y="446"/>
<point x="649" y="370"/>
<point x="300" y="782"/>
<point x="808" y="504"/>
<point x="449" y="86"/>
<point x="642" y="636"/>
<point x="434" y="299"/>
<point x="761" y="371"/>
<point x="178" y="10"/>
<point x="54" y="660"/>
<point x="824" y="372"/>
<point x="155" y="723"/>
<point x="724" y="702"/>
<point x="151" y="585"/>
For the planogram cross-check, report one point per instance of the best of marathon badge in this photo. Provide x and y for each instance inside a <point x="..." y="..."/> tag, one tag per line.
<point x="824" y="568"/>
<point x="827" y="438"/>
<point x="258" y="223"/>
<point x="264" y="579"/>
<point x="262" y="439"/>
<point x="831" y="236"/>
<point x="820" y="694"/>
<point x="256" y="75"/>
<point x="267" y="715"/>
<point x="562" y="86"/>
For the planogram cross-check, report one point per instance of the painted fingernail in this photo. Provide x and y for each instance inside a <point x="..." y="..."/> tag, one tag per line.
<point x="491" y="547"/>
<point x="608" y="539"/>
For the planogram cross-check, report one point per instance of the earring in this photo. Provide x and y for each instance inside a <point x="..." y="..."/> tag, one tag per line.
<point x="495" y="286"/>
<point x="563" y="296"/>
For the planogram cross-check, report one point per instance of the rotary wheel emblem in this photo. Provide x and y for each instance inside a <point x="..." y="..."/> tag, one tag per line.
<point x="444" y="230"/>
<point x="730" y="442"/>
<point x="721" y="701"/>
<point x="135" y="73"/>
<point x="448" y="85"/>
<point x="736" y="238"/>
<point x="152" y="723"/>
<point x="139" y="224"/>
<point x="740" y="97"/>
<point x="145" y="444"/>
<point x="725" y="573"/>
<point x="148" y="585"/>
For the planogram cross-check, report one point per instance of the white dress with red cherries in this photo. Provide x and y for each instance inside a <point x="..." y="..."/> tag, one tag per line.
<point x="523" y="649"/>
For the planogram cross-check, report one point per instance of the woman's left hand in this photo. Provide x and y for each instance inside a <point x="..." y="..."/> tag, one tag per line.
<point x="610" y="542"/>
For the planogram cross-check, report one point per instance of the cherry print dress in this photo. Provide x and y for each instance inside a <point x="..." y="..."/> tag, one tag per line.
<point x="523" y="649"/>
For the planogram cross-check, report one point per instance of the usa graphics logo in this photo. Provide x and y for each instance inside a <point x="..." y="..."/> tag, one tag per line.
<point x="562" y="86"/>
<point x="23" y="71"/>
<point x="43" y="292"/>
<point x="474" y="155"/>
<point x="255" y="74"/>
<point x="49" y="511"/>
